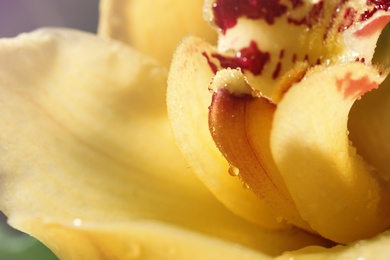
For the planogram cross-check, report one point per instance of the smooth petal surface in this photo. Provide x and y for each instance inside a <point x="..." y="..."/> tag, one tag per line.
<point x="368" y="122"/>
<point x="135" y="240"/>
<point x="334" y="189"/>
<point x="87" y="157"/>
<point x="240" y="127"/>
<point x="377" y="248"/>
<point x="188" y="101"/>
<point x="154" y="27"/>
<point x="369" y="128"/>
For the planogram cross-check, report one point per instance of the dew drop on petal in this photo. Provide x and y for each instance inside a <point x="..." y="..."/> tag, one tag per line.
<point x="77" y="222"/>
<point x="245" y="185"/>
<point x="233" y="171"/>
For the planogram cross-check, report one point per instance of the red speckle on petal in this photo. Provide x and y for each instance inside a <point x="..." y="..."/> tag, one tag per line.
<point x="355" y="88"/>
<point x="296" y="3"/>
<point x="248" y="59"/>
<point x="227" y="12"/>
<point x="294" y="58"/>
<point x="281" y="54"/>
<point x="212" y="65"/>
<point x="383" y="5"/>
<point x="276" y="72"/>
<point x="348" y="19"/>
<point x="311" y="18"/>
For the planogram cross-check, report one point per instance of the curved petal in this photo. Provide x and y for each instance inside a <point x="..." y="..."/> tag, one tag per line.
<point x="153" y="26"/>
<point x="369" y="128"/>
<point x="240" y="127"/>
<point x="188" y="100"/>
<point x="367" y="122"/>
<point x="333" y="188"/>
<point x="143" y="239"/>
<point x="87" y="154"/>
<point x="377" y="248"/>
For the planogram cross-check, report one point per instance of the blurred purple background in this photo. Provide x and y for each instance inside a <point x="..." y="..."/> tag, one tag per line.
<point x="17" y="16"/>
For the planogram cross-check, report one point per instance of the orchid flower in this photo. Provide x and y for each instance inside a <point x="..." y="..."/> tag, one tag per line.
<point x="90" y="165"/>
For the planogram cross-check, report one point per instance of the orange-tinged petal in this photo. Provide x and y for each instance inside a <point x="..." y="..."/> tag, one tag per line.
<point x="188" y="102"/>
<point x="240" y="126"/>
<point x="88" y="163"/>
<point x="154" y="27"/>
<point x="333" y="188"/>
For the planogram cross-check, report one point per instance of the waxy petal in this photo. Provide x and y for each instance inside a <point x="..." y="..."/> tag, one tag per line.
<point x="369" y="128"/>
<point x="188" y="102"/>
<point x="154" y="27"/>
<point x="368" y="123"/>
<point x="338" y="193"/>
<point x="377" y="248"/>
<point x="88" y="163"/>
<point x="140" y="239"/>
<point x="240" y="126"/>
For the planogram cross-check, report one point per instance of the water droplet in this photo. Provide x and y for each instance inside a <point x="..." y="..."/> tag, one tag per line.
<point x="233" y="171"/>
<point x="77" y="222"/>
<point x="245" y="185"/>
<point x="213" y="129"/>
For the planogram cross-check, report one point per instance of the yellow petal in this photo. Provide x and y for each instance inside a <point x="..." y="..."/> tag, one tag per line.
<point x="148" y="239"/>
<point x="188" y="101"/>
<point x="377" y="248"/>
<point x="240" y="127"/>
<point x="87" y="159"/>
<point x="368" y="122"/>
<point x="333" y="188"/>
<point x="154" y="27"/>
